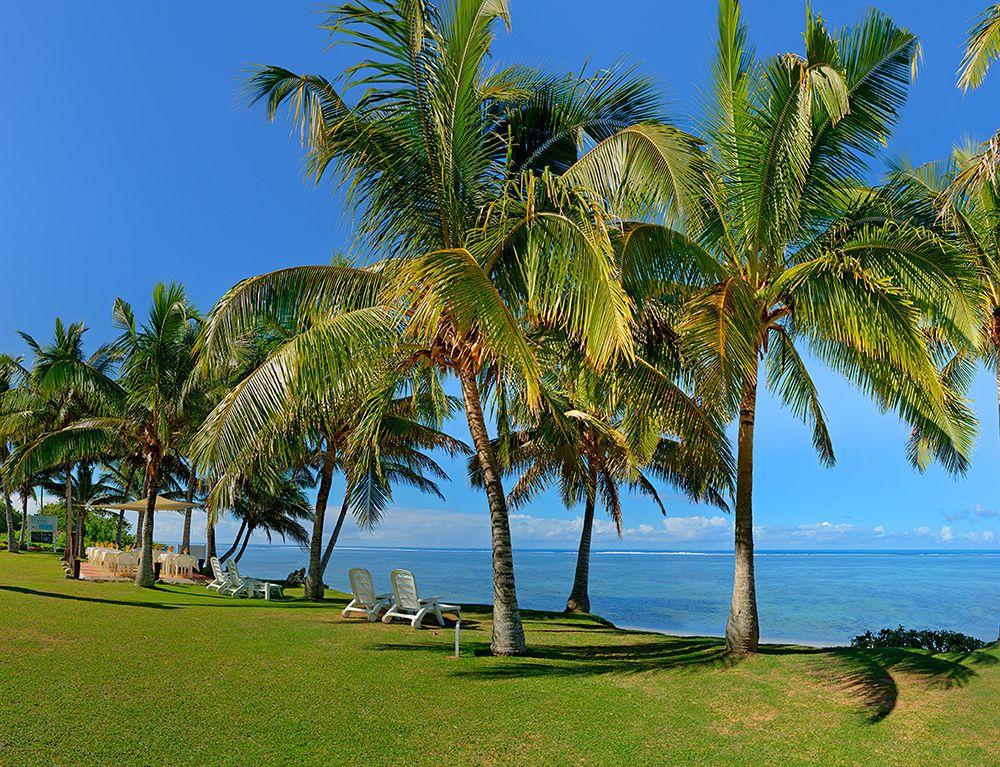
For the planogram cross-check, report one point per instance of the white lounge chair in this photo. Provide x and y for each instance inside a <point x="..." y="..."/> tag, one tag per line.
<point x="366" y="602"/>
<point x="221" y="578"/>
<point x="408" y="604"/>
<point x="237" y="586"/>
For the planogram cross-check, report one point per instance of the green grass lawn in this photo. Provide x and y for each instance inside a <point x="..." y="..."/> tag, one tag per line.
<point x="109" y="674"/>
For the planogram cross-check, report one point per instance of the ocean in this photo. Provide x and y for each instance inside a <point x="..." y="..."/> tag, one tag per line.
<point x="818" y="597"/>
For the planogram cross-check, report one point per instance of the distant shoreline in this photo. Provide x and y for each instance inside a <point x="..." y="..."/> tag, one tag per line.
<point x="763" y="640"/>
<point x="641" y="552"/>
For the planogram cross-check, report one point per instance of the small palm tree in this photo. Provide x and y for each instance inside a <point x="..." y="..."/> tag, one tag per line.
<point x="791" y="249"/>
<point x="273" y="507"/>
<point x="10" y="367"/>
<point x="142" y="416"/>
<point x="90" y="490"/>
<point x="375" y="443"/>
<point x="588" y="458"/>
<point x="473" y="188"/>
<point x="61" y="386"/>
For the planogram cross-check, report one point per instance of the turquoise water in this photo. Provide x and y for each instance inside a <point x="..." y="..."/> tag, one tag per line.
<point x="819" y="597"/>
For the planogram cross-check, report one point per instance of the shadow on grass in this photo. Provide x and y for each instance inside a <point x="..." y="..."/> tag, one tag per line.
<point x="592" y="659"/>
<point x="96" y="600"/>
<point x="868" y="675"/>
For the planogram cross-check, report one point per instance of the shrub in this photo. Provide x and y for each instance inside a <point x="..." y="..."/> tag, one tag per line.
<point x="935" y="641"/>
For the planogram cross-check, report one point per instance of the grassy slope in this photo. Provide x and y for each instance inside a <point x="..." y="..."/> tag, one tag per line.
<point x="97" y="674"/>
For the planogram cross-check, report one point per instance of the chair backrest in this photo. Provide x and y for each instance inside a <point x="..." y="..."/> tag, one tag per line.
<point x="362" y="586"/>
<point x="234" y="572"/>
<point x="404" y="588"/>
<point x="217" y="569"/>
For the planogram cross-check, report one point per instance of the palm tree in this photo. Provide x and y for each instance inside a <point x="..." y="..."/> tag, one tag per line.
<point x="968" y="211"/>
<point x="982" y="48"/>
<point x="589" y="457"/>
<point x="9" y="369"/>
<point x="472" y="187"/>
<point x="273" y="506"/>
<point x="376" y="443"/>
<point x="62" y="385"/>
<point x="790" y="249"/>
<point x="143" y="415"/>
<point x="90" y="490"/>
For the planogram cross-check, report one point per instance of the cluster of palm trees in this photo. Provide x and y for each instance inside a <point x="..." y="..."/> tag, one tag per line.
<point x="610" y="291"/>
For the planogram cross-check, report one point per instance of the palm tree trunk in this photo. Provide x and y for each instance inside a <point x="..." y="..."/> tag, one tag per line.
<point x="209" y="537"/>
<point x="186" y="538"/>
<point x="508" y="633"/>
<point x="236" y="542"/>
<point x="70" y="550"/>
<point x="11" y="538"/>
<point x="80" y="530"/>
<point x="144" y="576"/>
<point x="579" y="597"/>
<point x="314" y="580"/>
<point x="336" y="531"/>
<point x="120" y="531"/>
<point x="24" y="521"/>
<point x="244" y="546"/>
<point x="742" y="628"/>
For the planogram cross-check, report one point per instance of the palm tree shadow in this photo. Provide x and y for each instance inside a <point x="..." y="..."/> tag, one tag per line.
<point x="95" y="600"/>
<point x="636" y="657"/>
<point x="869" y="676"/>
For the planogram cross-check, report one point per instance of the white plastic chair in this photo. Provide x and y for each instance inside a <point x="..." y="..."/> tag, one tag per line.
<point x="125" y="563"/>
<point x="410" y="606"/>
<point x="221" y="578"/>
<point x="184" y="565"/>
<point x="366" y="602"/>
<point x="168" y="565"/>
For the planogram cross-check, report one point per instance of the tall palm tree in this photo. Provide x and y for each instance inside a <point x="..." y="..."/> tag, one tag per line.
<point x="790" y="249"/>
<point x="473" y="188"/>
<point x="141" y="416"/>
<point x="967" y="210"/>
<point x="61" y="386"/>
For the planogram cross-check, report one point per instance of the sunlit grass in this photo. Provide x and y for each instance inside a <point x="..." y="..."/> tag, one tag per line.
<point x="103" y="673"/>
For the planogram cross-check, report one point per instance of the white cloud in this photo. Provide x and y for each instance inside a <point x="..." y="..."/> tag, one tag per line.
<point x="443" y="528"/>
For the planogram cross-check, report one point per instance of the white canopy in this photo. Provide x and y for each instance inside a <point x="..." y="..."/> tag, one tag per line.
<point x="162" y="504"/>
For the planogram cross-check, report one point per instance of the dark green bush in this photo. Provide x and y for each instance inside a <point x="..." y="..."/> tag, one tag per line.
<point x="935" y="641"/>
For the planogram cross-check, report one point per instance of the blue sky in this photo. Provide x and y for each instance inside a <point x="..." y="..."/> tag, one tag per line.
<point x="125" y="159"/>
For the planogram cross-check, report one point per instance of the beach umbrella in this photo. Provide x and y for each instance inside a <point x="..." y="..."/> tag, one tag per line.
<point x="162" y="504"/>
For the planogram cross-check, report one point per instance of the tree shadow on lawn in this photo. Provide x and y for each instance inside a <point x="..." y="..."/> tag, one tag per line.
<point x="96" y="600"/>
<point x="868" y="675"/>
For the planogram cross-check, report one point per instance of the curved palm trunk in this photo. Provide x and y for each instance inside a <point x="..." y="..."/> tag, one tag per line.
<point x="80" y="532"/>
<point x="69" y="551"/>
<point x="11" y="538"/>
<point x="314" y="579"/>
<point x="579" y="597"/>
<point x="742" y="628"/>
<point x="144" y="577"/>
<point x="508" y="633"/>
<point x="209" y="537"/>
<point x="336" y="530"/>
<point x="186" y="537"/>
<point x="24" y="521"/>
<point x="243" y="548"/>
<point x="236" y="542"/>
